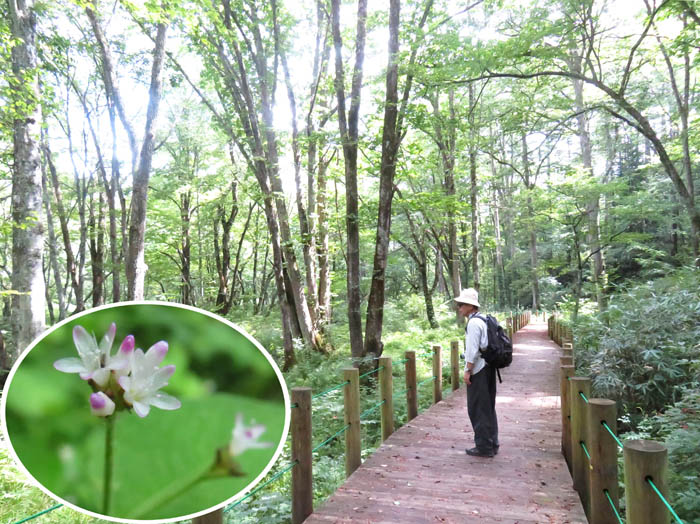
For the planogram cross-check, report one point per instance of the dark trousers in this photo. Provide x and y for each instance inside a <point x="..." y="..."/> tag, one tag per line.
<point x="481" y="406"/>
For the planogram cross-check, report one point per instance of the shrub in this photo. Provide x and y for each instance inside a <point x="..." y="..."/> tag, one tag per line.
<point x="640" y="350"/>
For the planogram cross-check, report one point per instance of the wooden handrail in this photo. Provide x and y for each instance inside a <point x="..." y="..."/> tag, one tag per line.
<point x="302" y="472"/>
<point x="595" y="478"/>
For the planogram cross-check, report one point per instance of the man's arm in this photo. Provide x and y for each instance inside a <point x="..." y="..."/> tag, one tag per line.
<point x="468" y="373"/>
<point x="473" y="339"/>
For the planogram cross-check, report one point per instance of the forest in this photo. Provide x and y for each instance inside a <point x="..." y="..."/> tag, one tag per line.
<point x="329" y="174"/>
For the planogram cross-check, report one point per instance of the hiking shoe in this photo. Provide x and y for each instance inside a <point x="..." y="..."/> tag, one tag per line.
<point x="476" y="452"/>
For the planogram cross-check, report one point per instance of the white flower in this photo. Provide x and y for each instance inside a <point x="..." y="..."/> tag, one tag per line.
<point x="141" y="387"/>
<point x="101" y="405"/>
<point x="121" y="361"/>
<point x="246" y="437"/>
<point x="94" y="361"/>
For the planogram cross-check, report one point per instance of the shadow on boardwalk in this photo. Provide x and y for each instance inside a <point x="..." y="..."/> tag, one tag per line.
<point x="422" y="474"/>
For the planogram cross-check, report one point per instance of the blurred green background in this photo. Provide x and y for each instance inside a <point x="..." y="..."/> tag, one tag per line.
<point x="158" y="459"/>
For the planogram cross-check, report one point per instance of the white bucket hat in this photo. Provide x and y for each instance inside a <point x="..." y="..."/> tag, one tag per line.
<point x="468" y="296"/>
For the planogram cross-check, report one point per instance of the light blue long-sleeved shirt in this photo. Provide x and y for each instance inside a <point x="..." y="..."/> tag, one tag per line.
<point x="476" y="337"/>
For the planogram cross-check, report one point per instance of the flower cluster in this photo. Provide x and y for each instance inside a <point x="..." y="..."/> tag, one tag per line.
<point x="128" y="379"/>
<point x="246" y="437"/>
<point x="243" y="438"/>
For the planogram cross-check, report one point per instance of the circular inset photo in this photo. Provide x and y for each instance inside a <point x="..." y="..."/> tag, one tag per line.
<point x="146" y="411"/>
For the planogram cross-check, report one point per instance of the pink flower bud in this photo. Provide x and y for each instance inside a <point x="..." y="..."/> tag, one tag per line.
<point x="127" y="345"/>
<point x="101" y="405"/>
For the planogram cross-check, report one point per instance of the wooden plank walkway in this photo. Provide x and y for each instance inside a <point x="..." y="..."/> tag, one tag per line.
<point x="421" y="473"/>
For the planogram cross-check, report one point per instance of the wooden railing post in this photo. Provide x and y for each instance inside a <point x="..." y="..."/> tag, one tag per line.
<point x="385" y="391"/>
<point x="579" y="460"/>
<point x="302" y="475"/>
<point x="645" y="459"/>
<point x="566" y="371"/>
<point x="567" y="351"/>
<point x="437" y="374"/>
<point x="411" y="388"/>
<point x="215" y="517"/>
<point x="454" y="363"/>
<point x="351" y="401"/>
<point x="603" y="450"/>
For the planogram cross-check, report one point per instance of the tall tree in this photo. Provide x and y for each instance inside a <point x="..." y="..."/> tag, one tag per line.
<point x="582" y="120"/>
<point x="141" y="157"/>
<point x="246" y="64"/>
<point x="28" y="299"/>
<point x="391" y="138"/>
<point x="474" y="188"/>
<point x="135" y="265"/>
<point x="349" y="132"/>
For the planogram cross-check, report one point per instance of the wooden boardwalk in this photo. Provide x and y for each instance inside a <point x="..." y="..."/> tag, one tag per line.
<point x="421" y="473"/>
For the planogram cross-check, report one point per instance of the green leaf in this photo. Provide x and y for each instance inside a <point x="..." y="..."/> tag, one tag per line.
<point x="159" y="460"/>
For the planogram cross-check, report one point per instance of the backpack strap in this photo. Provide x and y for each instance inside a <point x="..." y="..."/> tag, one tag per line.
<point x="486" y="325"/>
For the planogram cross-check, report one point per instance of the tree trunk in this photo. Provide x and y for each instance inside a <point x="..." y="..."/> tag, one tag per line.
<point x="390" y="147"/>
<point x="252" y="97"/>
<point x="237" y="263"/>
<point x="473" y="192"/>
<point x="531" y="226"/>
<point x="115" y="251"/>
<point x="499" y="270"/>
<point x="186" y="289"/>
<point x="682" y="98"/>
<point x="348" y="124"/>
<point x="96" y="229"/>
<point x="446" y="141"/>
<point x="317" y="198"/>
<point x="71" y="263"/>
<point x="223" y="255"/>
<point x="307" y="238"/>
<point x="53" y="255"/>
<point x="593" y="205"/>
<point x="29" y="303"/>
<point x="135" y="264"/>
<point x="324" y="267"/>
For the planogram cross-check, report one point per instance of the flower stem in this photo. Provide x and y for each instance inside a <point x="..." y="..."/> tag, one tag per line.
<point x="109" y="448"/>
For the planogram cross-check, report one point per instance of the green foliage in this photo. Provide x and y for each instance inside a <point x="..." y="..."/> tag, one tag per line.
<point x="641" y="350"/>
<point x="219" y="374"/>
<point x="679" y="427"/>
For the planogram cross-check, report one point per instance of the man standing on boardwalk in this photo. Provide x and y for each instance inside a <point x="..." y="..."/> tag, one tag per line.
<point x="479" y="377"/>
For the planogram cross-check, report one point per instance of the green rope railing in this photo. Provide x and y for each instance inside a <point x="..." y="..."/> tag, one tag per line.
<point x="402" y="361"/>
<point x="663" y="499"/>
<point x="261" y="486"/>
<point x="370" y="372"/>
<point x="620" y="445"/>
<point x="330" y="389"/>
<point x="330" y="438"/>
<point x="585" y="450"/>
<point x="619" y="442"/>
<point x="612" y="505"/>
<point x="31" y="517"/>
<point x="426" y="380"/>
<point x="371" y="409"/>
<point x="402" y="391"/>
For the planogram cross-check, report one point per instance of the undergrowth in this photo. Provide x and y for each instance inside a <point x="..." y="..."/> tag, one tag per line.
<point x="643" y="352"/>
<point x="405" y="329"/>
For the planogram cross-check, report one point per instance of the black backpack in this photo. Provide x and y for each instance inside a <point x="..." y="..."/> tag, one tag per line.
<point x="499" y="352"/>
